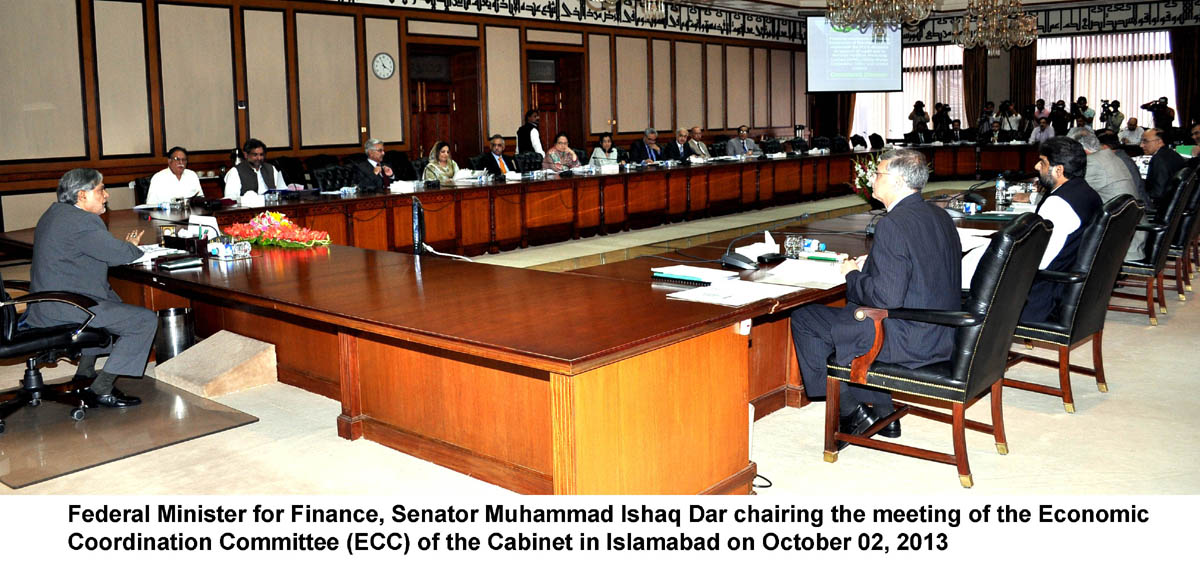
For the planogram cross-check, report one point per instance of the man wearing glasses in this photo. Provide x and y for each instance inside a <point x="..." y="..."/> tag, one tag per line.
<point x="372" y="174"/>
<point x="175" y="181"/>
<point x="252" y="174"/>
<point x="1164" y="162"/>
<point x="742" y="144"/>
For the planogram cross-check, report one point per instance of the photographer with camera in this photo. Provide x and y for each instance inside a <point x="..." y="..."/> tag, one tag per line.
<point x="1110" y="115"/>
<point x="1164" y="116"/>
<point x="941" y="117"/>
<point x="919" y="117"/>
<point x="1059" y="118"/>
<point x="1009" y="119"/>
<point x="984" y="126"/>
<point x="1080" y="109"/>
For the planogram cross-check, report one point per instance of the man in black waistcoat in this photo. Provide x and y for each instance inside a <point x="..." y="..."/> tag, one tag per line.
<point x="1070" y="205"/>
<point x="915" y="262"/>
<point x="528" y="137"/>
<point x="252" y="173"/>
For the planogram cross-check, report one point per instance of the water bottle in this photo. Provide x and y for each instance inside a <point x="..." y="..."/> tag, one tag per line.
<point x="1001" y="189"/>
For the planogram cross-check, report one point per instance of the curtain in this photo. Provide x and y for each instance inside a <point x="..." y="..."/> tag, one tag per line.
<point x="1185" y="43"/>
<point x="974" y="84"/>
<point x="830" y="114"/>
<point x="1023" y="75"/>
<point x="932" y="74"/>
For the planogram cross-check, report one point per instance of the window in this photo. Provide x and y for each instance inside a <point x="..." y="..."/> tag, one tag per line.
<point x="932" y="74"/>
<point x="1132" y="68"/>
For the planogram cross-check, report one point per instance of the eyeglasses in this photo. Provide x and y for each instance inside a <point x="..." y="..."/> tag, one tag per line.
<point x="182" y="160"/>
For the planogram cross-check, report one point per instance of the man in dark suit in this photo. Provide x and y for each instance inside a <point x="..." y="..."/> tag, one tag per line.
<point x="495" y="162"/>
<point x="372" y="174"/>
<point x="915" y="262"/>
<point x="646" y="149"/>
<point x="1164" y="162"/>
<point x="72" y="252"/>
<point x="679" y="148"/>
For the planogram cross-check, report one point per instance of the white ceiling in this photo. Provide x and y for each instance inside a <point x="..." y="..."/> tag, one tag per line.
<point x="797" y="8"/>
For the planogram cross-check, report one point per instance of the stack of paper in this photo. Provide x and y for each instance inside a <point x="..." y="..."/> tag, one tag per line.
<point x="810" y="274"/>
<point x="692" y="274"/>
<point x="732" y="293"/>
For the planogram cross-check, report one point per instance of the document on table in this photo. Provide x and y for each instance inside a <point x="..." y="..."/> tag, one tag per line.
<point x="151" y="251"/>
<point x="692" y="273"/>
<point x="806" y="273"/>
<point x="734" y="292"/>
<point x="972" y="238"/>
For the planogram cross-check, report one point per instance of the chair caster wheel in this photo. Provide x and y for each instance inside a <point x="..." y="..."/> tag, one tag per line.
<point x="35" y="402"/>
<point x="78" y="414"/>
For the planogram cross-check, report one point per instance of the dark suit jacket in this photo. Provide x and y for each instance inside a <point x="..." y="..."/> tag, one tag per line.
<point x="1163" y="166"/>
<point x="365" y="178"/>
<point x="637" y="151"/>
<point x="915" y="262"/>
<point x="489" y="163"/>
<point x="671" y="151"/>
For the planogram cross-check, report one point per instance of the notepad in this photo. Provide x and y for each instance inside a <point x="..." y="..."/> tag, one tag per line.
<point x="733" y="292"/>
<point x="690" y="275"/>
<point x="808" y="274"/>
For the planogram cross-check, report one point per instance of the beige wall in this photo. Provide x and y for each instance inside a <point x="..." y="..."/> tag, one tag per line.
<point x="41" y="106"/>
<point x="599" y="84"/>
<point x="689" y="103"/>
<point x="801" y="97"/>
<point x="421" y="27"/>
<point x="197" y="77"/>
<point x="562" y="37"/>
<point x="121" y="78"/>
<point x="781" y="88"/>
<point x="266" y="77"/>
<point x="633" y="111"/>
<point x="761" y="94"/>
<point x="715" y="67"/>
<point x="663" y="96"/>
<point x="326" y="57"/>
<point x="503" y="54"/>
<point x="385" y="99"/>
<point x="737" y="86"/>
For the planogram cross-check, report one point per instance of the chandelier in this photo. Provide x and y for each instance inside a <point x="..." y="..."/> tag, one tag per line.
<point x="877" y="15"/>
<point x="995" y="24"/>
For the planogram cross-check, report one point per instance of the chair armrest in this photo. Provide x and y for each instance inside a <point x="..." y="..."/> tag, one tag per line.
<point x="953" y="318"/>
<point x="17" y="284"/>
<point x="859" y="366"/>
<point x="1059" y="276"/>
<point x="78" y="301"/>
<point x="1148" y="227"/>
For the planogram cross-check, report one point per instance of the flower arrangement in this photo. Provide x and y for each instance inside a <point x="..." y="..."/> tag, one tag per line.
<point x="270" y="228"/>
<point x="864" y="175"/>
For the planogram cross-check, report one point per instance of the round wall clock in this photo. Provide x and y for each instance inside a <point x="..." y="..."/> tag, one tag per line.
<point x="383" y="65"/>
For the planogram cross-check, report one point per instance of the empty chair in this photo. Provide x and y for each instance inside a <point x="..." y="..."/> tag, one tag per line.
<point x="1183" y="249"/>
<point x="141" y="189"/>
<point x="476" y="162"/>
<point x="772" y="146"/>
<point x="839" y="145"/>
<point x="1084" y="299"/>
<point x="821" y="143"/>
<point x="291" y="168"/>
<point x="418" y="167"/>
<point x="528" y="162"/>
<point x="354" y="157"/>
<point x="581" y="156"/>
<point x="1160" y="232"/>
<point x="857" y="141"/>
<point x="401" y="167"/>
<point x="876" y="141"/>
<point x="319" y="161"/>
<point x="984" y="332"/>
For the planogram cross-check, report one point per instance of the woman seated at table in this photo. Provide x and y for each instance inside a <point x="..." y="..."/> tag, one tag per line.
<point x="606" y="153"/>
<point x="561" y="157"/>
<point x="441" y="167"/>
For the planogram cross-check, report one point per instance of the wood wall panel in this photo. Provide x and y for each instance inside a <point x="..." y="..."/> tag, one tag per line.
<point x="800" y="98"/>
<point x="35" y="100"/>
<point x="689" y="84"/>
<point x="476" y="222"/>
<point x="508" y="214"/>
<point x="422" y="27"/>
<point x="326" y="55"/>
<point x="504" y="81"/>
<point x="548" y="208"/>
<point x="633" y="100"/>
<point x="664" y="96"/>
<point x="197" y="77"/>
<point x="267" y="78"/>
<point x="385" y="98"/>
<point x="761" y="101"/>
<point x="599" y="84"/>
<point x="781" y="88"/>
<point x="121" y="78"/>
<point x="737" y="86"/>
<point x="543" y="36"/>
<point x="714" y="64"/>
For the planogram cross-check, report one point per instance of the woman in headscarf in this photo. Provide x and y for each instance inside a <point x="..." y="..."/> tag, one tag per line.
<point x="440" y="167"/>
<point x="561" y="157"/>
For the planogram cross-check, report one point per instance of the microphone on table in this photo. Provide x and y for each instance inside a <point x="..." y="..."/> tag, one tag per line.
<point x="734" y="260"/>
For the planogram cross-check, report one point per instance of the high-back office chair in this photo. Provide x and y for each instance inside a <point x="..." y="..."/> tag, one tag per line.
<point x="292" y="170"/>
<point x="476" y="162"/>
<point x="44" y="345"/>
<point x="839" y="145"/>
<point x="857" y="141"/>
<point x="398" y="162"/>
<point x="1183" y="250"/>
<point x="821" y="143"/>
<point x="319" y="161"/>
<point x="141" y="189"/>
<point x="1160" y="231"/>
<point x="581" y="156"/>
<point x="876" y="141"/>
<point x="528" y="162"/>
<point x="1084" y="304"/>
<point x="418" y="166"/>
<point x="984" y="331"/>
<point x="623" y="155"/>
<point x="772" y="146"/>
<point x="354" y="158"/>
<point x="716" y="149"/>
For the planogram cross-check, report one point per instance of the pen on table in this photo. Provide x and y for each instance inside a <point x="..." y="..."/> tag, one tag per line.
<point x="820" y="258"/>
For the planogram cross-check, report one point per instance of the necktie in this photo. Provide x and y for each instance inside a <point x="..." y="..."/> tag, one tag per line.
<point x="500" y="160"/>
<point x="650" y="153"/>
<point x="743" y="146"/>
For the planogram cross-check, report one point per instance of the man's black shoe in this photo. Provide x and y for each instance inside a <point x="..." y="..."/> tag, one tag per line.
<point x="891" y="430"/>
<point x="94" y="400"/>
<point x="855" y="423"/>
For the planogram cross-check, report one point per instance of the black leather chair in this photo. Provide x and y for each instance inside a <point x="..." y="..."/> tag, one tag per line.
<point x="476" y="162"/>
<point x="292" y="170"/>
<point x="319" y="161"/>
<point x="623" y="155"/>
<point x="857" y="141"/>
<point x="400" y="165"/>
<point x="984" y="331"/>
<point x="527" y="162"/>
<point x="821" y="143"/>
<point x="418" y="167"/>
<point x="333" y="178"/>
<point x="1160" y="231"/>
<point x="581" y="156"/>
<point x="772" y="146"/>
<point x="839" y="145"/>
<point x="354" y="158"/>
<point x="1084" y="304"/>
<point x="717" y="148"/>
<point x="876" y="141"/>
<point x="141" y="189"/>
<point x="41" y="346"/>
<point x="1183" y="251"/>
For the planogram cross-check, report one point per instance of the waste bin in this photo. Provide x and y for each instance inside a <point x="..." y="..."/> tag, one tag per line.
<point x="175" y="333"/>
